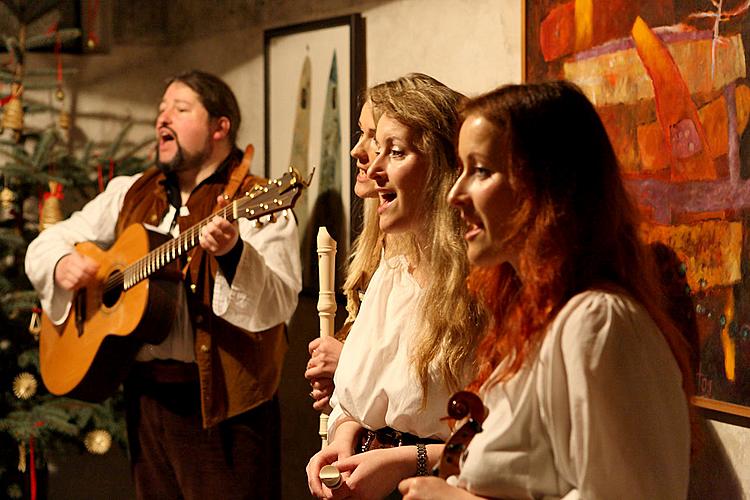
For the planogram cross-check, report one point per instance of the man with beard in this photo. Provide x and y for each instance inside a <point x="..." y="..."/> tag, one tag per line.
<point x="203" y="418"/>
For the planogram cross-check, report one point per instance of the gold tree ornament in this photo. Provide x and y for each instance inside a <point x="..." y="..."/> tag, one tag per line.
<point x="98" y="441"/>
<point x="7" y="198"/>
<point x="35" y="324"/>
<point x="24" y="385"/>
<point x="21" y="456"/>
<point x="51" y="211"/>
<point x="14" y="491"/>
<point x="13" y="114"/>
<point x="63" y="121"/>
<point x="59" y="94"/>
<point x="7" y="203"/>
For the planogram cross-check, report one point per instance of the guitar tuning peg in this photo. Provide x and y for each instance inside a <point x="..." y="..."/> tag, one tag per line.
<point x="272" y="218"/>
<point x="258" y="224"/>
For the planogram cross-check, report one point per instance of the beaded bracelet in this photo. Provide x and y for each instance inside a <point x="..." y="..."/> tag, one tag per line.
<point x="421" y="460"/>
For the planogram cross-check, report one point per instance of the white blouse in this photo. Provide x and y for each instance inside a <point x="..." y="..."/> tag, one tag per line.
<point x="600" y="414"/>
<point x="376" y="384"/>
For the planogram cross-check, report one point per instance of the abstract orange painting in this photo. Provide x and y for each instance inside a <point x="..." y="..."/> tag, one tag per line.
<point x="669" y="79"/>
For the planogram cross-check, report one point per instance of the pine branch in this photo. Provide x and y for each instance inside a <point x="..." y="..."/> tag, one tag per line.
<point x="29" y="358"/>
<point x="13" y="303"/>
<point x="31" y="11"/>
<point x="11" y="45"/>
<point x="10" y="239"/>
<point x="48" y="39"/>
<point x="19" y="156"/>
<point x="6" y="76"/>
<point x="5" y="285"/>
<point x="44" y="148"/>
<point x="115" y="145"/>
<point x="134" y="149"/>
<point x="23" y="425"/>
<point x="51" y="72"/>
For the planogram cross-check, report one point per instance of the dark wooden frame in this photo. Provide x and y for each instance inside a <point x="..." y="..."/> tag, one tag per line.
<point x="357" y="78"/>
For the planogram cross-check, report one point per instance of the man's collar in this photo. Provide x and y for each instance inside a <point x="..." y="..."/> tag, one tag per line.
<point x="172" y="187"/>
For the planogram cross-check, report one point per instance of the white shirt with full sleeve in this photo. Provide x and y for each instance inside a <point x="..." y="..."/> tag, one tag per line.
<point x="263" y="292"/>
<point x="375" y="382"/>
<point x="600" y="414"/>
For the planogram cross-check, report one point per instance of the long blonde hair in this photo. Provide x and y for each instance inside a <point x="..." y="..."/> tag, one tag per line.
<point x="365" y="257"/>
<point x="451" y="320"/>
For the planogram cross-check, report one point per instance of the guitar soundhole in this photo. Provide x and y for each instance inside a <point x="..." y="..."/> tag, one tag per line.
<point x="112" y="289"/>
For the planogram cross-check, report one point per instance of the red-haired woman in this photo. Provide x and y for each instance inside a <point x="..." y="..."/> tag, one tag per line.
<point x="585" y="377"/>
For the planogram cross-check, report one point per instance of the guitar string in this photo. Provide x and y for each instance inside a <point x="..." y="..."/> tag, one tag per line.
<point x="167" y="252"/>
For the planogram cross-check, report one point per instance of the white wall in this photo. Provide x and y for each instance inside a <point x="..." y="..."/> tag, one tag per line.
<point x="470" y="45"/>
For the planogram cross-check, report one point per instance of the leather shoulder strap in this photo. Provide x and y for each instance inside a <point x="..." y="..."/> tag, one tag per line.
<point x="239" y="173"/>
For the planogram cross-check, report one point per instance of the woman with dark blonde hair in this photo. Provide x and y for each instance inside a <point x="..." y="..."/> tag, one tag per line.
<point x="585" y="377"/>
<point x="366" y="252"/>
<point x="413" y="341"/>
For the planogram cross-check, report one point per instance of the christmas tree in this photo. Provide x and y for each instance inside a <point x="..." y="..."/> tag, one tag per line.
<point x="37" y="165"/>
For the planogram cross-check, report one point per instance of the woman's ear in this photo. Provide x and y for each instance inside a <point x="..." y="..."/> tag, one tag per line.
<point x="222" y="128"/>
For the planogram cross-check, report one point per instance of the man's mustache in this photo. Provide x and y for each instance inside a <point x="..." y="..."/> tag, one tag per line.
<point x="173" y="133"/>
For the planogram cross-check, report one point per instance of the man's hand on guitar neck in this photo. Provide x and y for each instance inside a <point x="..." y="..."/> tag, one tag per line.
<point x="75" y="271"/>
<point x="219" y="236"/>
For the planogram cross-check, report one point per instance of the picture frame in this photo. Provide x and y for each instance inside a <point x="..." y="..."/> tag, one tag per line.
<point x="314" y="76"/>
<point x="640" y="61"/>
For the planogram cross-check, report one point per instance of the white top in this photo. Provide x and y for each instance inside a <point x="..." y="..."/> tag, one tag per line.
<point x="600" y="414"/>
<point x="263" y="292"/>
<point x="374" y="382"/>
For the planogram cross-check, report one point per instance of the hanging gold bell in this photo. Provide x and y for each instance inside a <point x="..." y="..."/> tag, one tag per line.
<point x="59" y="94"/>
<point x="7" y="203"/>
<point x="7" y="198"/>
<point x="63" y="120"/>
<point x="51" y="211"/>
<point x="13" y="114"/>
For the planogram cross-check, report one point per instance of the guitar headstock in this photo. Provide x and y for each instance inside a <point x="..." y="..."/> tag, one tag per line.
<point x="277" y="195"/>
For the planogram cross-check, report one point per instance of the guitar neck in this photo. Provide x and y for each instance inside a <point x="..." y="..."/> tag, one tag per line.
<point x="166" y="253"/>
<point x="278" y="195"/>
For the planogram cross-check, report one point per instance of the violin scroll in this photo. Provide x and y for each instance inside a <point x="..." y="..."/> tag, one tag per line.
<point x="470" y="413"/>
<point x="465" y="403"/>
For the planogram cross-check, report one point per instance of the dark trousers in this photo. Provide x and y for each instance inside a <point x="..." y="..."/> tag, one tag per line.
<point x="174" y="457"/>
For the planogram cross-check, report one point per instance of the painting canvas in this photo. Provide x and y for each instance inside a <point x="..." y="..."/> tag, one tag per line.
<point x="669" y="80"/>
<point x="311" y="88"/>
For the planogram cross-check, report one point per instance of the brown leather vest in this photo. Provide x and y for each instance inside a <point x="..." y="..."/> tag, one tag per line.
<point x="238" y="370"/>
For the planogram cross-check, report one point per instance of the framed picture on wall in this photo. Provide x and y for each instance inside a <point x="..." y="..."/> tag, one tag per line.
<point x="314" y="74"/>
<point x="669" y="82"/>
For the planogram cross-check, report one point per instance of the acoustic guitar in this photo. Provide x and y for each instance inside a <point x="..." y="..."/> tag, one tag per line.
<point x="132" y="300"/>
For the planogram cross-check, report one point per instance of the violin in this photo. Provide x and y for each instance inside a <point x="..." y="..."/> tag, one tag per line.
<point x="467" y="409"/>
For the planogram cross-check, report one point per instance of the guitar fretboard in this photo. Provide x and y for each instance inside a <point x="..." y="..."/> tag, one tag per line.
<point x="263" y="200"/>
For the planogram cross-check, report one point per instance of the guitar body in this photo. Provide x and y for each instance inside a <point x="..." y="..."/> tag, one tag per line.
<point x="89" y="355"/>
